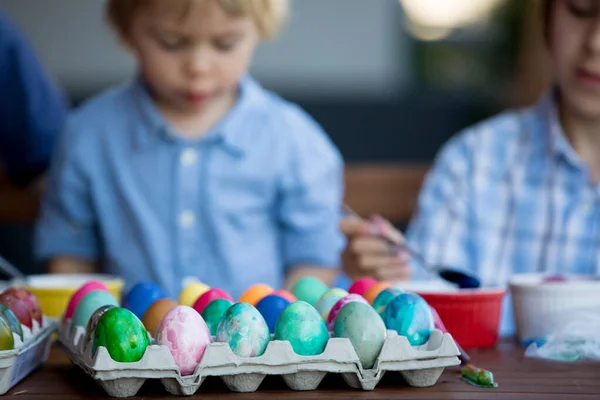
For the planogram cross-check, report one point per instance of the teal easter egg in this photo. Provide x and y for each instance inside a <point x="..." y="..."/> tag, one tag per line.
<point x="410" y="316"/>
<point x="302" y="326"/>
<point x="89" y="304"/>
<point x="213" y="313"/>
<point x="309" y="289"/>
<point x="328" y="300"/>
<point x="360" y="323"/>
<point x="123" y="335"/>
<point x="245" y="330"/>
<point x="383" y="298"/>
<point x="12" y="320"/>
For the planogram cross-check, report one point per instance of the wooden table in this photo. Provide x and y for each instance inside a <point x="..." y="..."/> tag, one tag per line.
<point x="518" y="377"/>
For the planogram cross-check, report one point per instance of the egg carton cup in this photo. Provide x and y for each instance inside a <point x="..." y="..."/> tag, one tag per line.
<point x="420" y="366"/>
<point x="28" y="354"/>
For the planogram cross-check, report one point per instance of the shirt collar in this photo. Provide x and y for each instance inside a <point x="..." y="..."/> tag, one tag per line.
<point x="231" y="131"/>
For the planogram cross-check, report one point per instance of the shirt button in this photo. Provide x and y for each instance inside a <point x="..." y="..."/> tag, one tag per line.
<point x="188" y="157"/>
<point x="187" y="219"/>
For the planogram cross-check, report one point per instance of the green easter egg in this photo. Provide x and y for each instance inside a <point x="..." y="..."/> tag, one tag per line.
<point x="7" y="341"/>
<point x="302" y="325"/>
<point x="213" y="313"/>
<point x="309" y="289"/>
<point x="360" y="323"/>
<point x="123" y="335"/>
<point x="12" y="320"/>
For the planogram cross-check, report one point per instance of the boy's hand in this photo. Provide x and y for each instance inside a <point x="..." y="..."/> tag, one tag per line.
<point x="368" y="254"/>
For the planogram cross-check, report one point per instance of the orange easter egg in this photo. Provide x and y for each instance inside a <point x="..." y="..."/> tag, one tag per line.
<point x="374" y="290"/>
<point x="255" y="293"/>
<point x="155" y="313"/>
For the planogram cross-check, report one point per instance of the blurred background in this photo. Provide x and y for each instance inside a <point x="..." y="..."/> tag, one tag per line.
<point x="389" y="80"/>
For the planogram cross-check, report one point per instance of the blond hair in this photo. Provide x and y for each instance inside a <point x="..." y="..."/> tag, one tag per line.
<point x="268" y="15"/>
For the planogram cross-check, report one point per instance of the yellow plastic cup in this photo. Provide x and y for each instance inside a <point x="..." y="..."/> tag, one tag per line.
<point x="54" y="291"/>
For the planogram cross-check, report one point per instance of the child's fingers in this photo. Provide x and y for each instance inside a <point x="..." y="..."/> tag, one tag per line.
<point x="369" y="245"/>
<point x="385" y="228"/>
<point x="352" y="226"/>
<point x="373" y="262"/>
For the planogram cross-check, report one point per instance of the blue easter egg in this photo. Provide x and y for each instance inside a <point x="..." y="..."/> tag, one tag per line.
<point x="410" y="316"/>
<point x="141" y="296"/>
<point x="271" y="307"/>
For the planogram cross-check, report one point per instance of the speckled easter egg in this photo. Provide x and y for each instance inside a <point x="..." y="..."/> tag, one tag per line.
<point x="309" y="289"/>
<point x="7" y="340"/>
<point x="189" y="294"/>
<point x="213" y="313"/>
<point x="338" y="306"/>
<point x="123" y="335"/>
<point x="410" y="316"/>
<point x="80" y="293"/>
<point x="328" y="300"/>
<point x="361" y="285"/>
<point x="141" y="296"/>
<point x="32" y="302"/>
<point x="374" y="290"/>
<point x="186" y="335"/>
<point x="89" y="304"/>
<point x="207" y="297"/>
<point x="255" y="293"/>
<point x="12" y="320"/>
<point x="245" y="330"/>
<point x="155" y="313"/>
<point x="90" y="329"/>
<point x="383" y="298"/>
<point x="359" y="323"/>
<point x="302" y="326"/>
<point x="19" y="307"/>
<point x="271" y="308"/>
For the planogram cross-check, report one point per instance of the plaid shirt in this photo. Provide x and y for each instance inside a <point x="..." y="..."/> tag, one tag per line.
<point x="510" y="195"/>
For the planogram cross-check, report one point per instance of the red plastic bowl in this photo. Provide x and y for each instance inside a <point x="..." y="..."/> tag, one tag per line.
<point x="472" y="317"/>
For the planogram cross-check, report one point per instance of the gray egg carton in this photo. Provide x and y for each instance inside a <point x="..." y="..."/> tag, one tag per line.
<point x="27" y="355"/>
<point x="420" y="366"/>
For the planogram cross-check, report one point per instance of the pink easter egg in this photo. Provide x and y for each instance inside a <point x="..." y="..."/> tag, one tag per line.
<point x="186" y="335"/>
<point x="338" y="306"/>
<point x="208" y="296"/>
<point x="88" y="287"/>
<point x="361" y="285"/>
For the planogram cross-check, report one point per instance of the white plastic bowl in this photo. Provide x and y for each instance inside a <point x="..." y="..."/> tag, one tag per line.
<point x="542" y="308"/>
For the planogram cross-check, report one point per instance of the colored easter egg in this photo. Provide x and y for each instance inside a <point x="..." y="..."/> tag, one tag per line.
<point x="303" y="327"/>
<point x="328" y="300"/>
<point x="286" y="295"/>
<point x="271" y="307"/>
<point x="360" y="323"/>
<point x="410" y="316"/>
<point x="122" y="333"/>
<point x="78" y="295"/>
<point x="89" y="304"/>
<point x="383" y="298"/>
<point x="213" y="313"/>
<point x="361" y="285"/>
<point x="245" y="330"/>
<point x="374" y="290"/>
<point x="338" y="306"/>
<point x="208" y="296"/>
<point x="155" y="313"/>
<point x="255" y="293"/>
<point x="309" y="289"/>
<point x="32" y="302"/>
<point x="12" y="320"/>
<point x="19" y="307"/>
<point x="90" y="329"/>
<point x="7" y="340"/>
<point x="141" y="296"/>
<point x="189" y="294"/>
<point x="186" y="335"/>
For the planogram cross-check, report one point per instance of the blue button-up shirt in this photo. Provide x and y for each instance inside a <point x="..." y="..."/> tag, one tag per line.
<point x="258" y="194"/>
<point x="32" y="109"/>
<point x="510" y="195"/>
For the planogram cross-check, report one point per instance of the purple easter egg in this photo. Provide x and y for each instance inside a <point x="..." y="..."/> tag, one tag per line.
<point x="338" y="306"/>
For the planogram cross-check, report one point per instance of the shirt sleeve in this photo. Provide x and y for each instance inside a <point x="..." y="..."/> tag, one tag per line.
<point x="32" y="109"/>
<point x="310" y="197"/>
<point x="67" y="224"/>
<point x="440" y="229"/>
